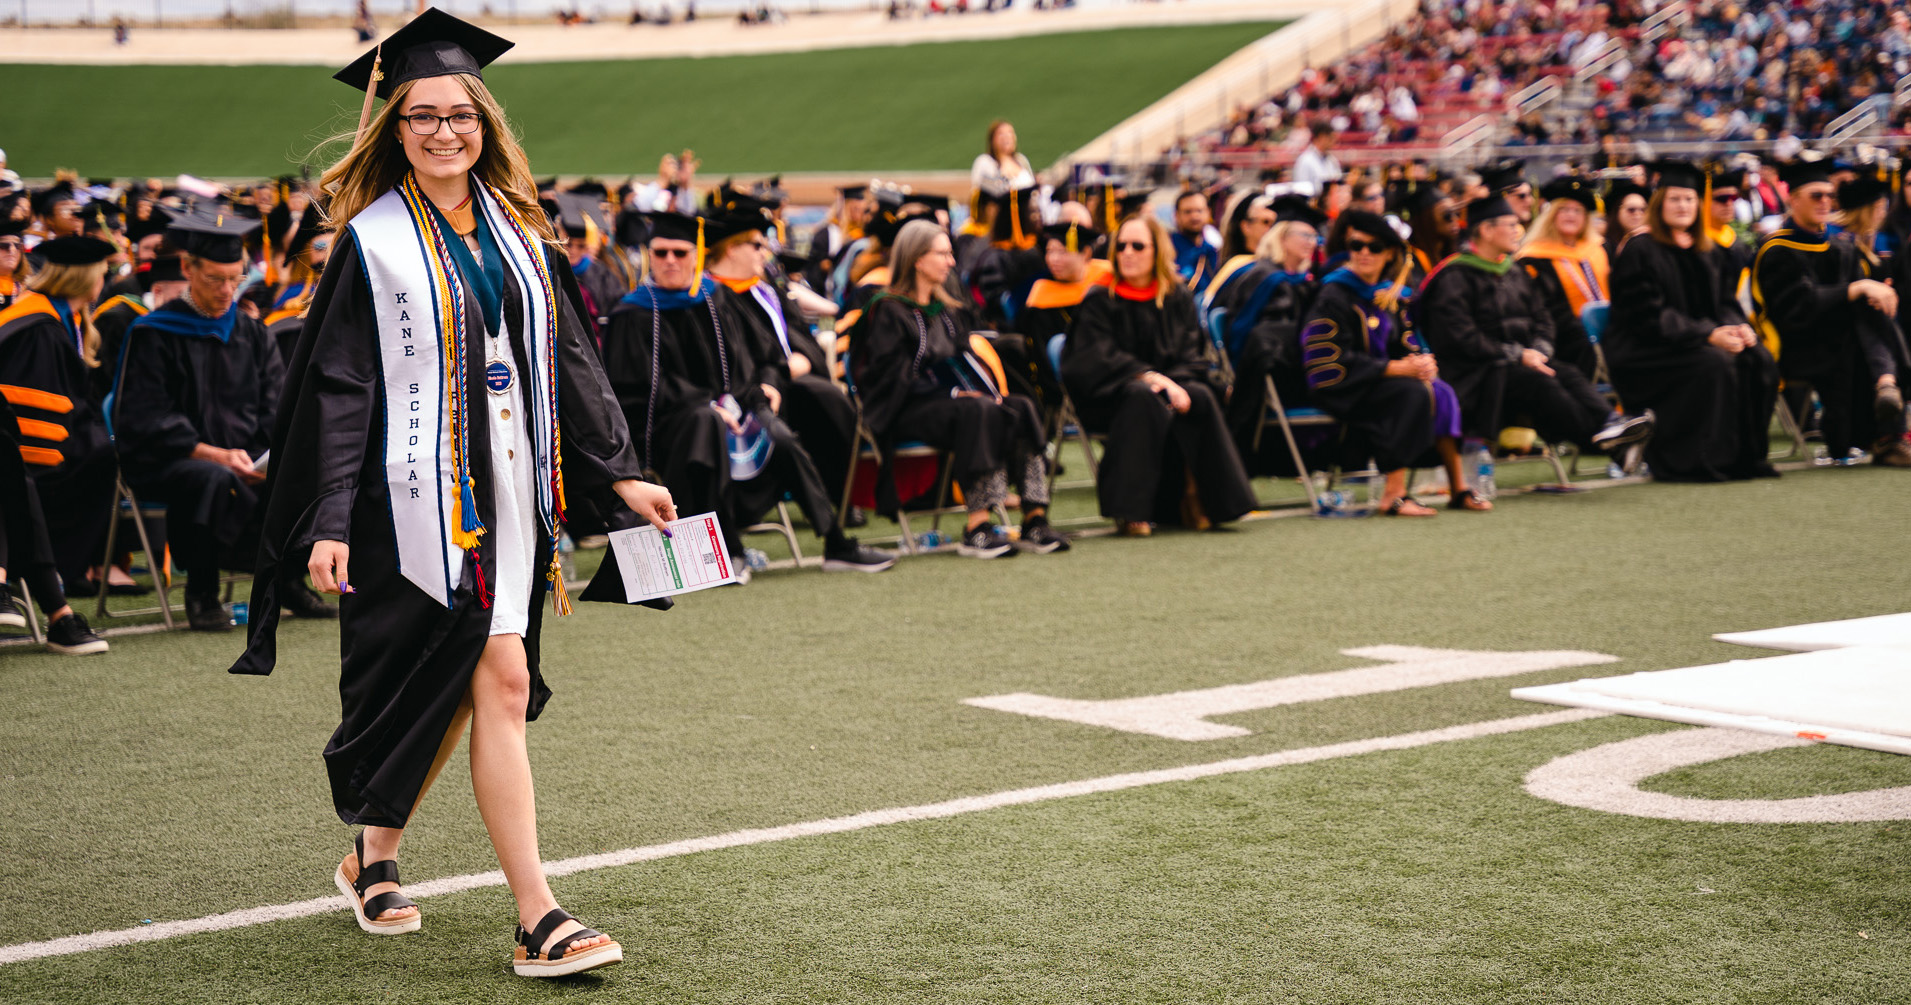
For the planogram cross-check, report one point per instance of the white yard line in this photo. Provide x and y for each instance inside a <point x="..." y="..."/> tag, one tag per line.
<point x="834" y="825"/>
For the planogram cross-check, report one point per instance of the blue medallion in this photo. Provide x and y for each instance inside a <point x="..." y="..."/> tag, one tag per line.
<point x="497" y="376"/>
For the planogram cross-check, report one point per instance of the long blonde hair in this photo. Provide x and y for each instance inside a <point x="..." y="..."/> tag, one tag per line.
<point x="74" y="282"/>
<point x="376" y="161"/>
<point x="1546" y="228"/>
<point x="1166" y="279"/>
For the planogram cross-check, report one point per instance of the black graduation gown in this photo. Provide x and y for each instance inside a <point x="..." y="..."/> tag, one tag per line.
<point x="602" y="289"/>
<point x="1048" y="311"/>
<point x="406" y="659"/>
<point x="1571" y="344"/>
<point x="62" y="438"/>
<point x="26" y="548"/>
<point x="1267" y="344"/>
<point x="1151" y="449"/>
<point x="1478" y="325"/>
<point x="1713" y="407"/>
<point x="1838" y="345"/>
<point x="686" y="442"/>
<point x="895" y="349"/>
<point x="1393" y="420"/>
<point x="118" y="315"/>
<point x="815" y="406"/>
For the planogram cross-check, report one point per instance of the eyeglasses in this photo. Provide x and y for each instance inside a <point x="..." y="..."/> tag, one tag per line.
<point x="12" y="245"/>
<point x="426" y="124"/>
<point x="1132" y="245"/>
<point x="671" y="252"/>
<point x="1819" y="196"/>
<point x="1358" y="245"/>
<point x="321" y="245"/>
<point x="1724" y="197"/>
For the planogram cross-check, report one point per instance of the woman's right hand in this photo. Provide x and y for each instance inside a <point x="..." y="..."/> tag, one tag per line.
<point x="327" y="566"/>
<point x="1727" y="337"/>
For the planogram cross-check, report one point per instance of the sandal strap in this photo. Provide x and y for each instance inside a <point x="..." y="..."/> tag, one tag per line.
<point x="534" y="941"/>
<point x="562" y="945"/>
<point x="392" y="900"/>
<point x="374" y="874"/>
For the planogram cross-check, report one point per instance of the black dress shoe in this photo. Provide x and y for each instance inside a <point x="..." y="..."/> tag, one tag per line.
<point x="301" y="601"/>
<point x="207" y="614"/>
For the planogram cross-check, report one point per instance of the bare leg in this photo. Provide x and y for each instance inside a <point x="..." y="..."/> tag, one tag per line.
<point x="381" y="843"/>
<point x="1449" y="451"/>
<point x="501" y="778"/>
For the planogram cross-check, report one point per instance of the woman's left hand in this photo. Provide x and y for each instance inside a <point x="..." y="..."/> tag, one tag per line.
<point x="652" y="502"/>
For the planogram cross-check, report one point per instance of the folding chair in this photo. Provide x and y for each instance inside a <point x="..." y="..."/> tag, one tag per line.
<point x="126" y="506"/>
<point x="1285" y="419"/>
<point x="1069" y="421"/>
<point x="1793" y="425"/>
<point x="33" y="613"/>
<point x="783" y="526"/>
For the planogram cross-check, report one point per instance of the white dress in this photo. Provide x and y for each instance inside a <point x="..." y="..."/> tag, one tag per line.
<point x="512" y="534"/>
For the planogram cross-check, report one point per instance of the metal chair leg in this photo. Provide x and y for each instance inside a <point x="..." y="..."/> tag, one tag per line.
<point x="33" y="613"/>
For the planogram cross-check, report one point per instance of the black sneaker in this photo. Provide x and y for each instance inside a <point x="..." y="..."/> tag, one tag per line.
<point x="12" y="613"/>
<point x="206" y="614"/>
<point x="853" y="557"/>
<point x="301" y="601"/>
<point x="71" y="636"/>
<point x="858" y="517"/>
<point x="1041" y="538"/>
<point x="1624" y="430"/>
<point x="986" y="541"/>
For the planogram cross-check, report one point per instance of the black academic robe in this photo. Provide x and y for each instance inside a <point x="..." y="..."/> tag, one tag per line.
<point x="815" y="406"/>
<point x="1713" y="407"/>
<point x="406" y="659"/>
<point x="1049" y="311"/>
<point x="111" y="319"/>
<point x="898" y="352"/>
<point x="1479" y="323"/>
<point x="1393" y="420"/>
<point x="685" y="442"/>
<point x="1265" y="307"/>
<point x="62" y="437"/>
<point x="1571" y="344"/>
<point x="1840" y="346"/>
<point x="26" y="547"/>
<point x="602" y="289"/>
<point x="1152" y="451"/>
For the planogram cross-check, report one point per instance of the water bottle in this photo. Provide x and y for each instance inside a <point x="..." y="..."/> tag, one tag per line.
<point x="1483" y="474"/>
<point x="756" y="558"/>
<point x="930" y="540"/>
<point x="241" y="610"/>
<point x="566" y="549"/>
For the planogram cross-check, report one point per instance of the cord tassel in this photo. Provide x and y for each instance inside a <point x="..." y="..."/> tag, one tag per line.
<point x="560" y="595"/>
<point x="465" y="524"/>
<point x="484" y="592"/>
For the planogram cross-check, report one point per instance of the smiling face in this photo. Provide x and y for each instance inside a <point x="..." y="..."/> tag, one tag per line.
<point x="1811" y="203"/>
<point x="11" y="251"/>
<point x="1135" y="254"/>
<point x="442" y="108"/>
<point x="1570" y="217"/>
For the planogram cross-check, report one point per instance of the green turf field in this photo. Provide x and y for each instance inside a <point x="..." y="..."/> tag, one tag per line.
<point x="884" y="108"/>
<point x="147" y="784"/>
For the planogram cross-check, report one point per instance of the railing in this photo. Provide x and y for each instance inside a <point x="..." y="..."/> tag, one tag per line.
<point x="1864" y="120"/>
<point x="1663" y="21"/>
<point x="1465" y="140"/>
<point x="1901" y="95"/>
<point x="1535" y="96"/>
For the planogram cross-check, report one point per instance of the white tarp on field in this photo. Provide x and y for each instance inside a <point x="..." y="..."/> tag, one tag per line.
<point x="1849" y="684"/>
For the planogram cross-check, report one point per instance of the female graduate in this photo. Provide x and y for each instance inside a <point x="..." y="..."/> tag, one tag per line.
<point x="922" y="375"/>
<point x="1136" y="366"/>
<point x="1679" y="345"/>
<point x="1368" y="368"/>
<point x="1262" y="336"/>
<point x="1568" y="263"/>
<point x="418" y="444"/>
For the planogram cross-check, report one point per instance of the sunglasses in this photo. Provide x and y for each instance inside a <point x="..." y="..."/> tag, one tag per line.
<point x="12" y="245"/>
<point x="1358" y="245"/>
<point x="1820" y="196"/>
<point x="671" y="252"/>
<point x="1724" y="197"/>
<point x="1132" y="246"/>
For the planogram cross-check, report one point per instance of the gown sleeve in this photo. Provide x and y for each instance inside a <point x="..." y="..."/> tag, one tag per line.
<point x="1186" y="347"/>
<point x="326" y="416"/>
<point x="148" y="423"/>
<point x="1446" y="319"/>
<point x="1793" y="298"/>
<point x="883" y="352"/>
<point x="1334" y="355"/>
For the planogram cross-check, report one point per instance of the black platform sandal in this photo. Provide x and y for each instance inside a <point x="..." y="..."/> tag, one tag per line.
<point x="528" y="961"/>
<point x="365" y="910"/>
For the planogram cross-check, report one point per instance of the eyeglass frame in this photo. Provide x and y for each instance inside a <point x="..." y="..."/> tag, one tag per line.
<point x="411" y="121"/>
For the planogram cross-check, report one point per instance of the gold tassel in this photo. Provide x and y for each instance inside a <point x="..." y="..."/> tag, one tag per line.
<point x="1073" y="243"/>
<point x="1389" y="298"/>
<point x="371" y="91"/>
<point x="696" y="285"/>
<point x="1109" y="209"/>
<point x="560" y="595"/>
<point x="1015" y="218"/>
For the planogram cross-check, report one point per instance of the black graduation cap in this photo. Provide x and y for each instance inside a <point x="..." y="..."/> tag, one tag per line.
<point x="155" y="223"/>
<point x="1503" y="177"/>
<point x="165" y="269"/>
<point x="576" y="215"/>
<point x="1571" y="187"/>
<point x="672" y="227"/>
<point x="1678" y="174"/>
<point x="1375" y="226"/>
<point x="1862" y="191"/>
<point x="1491" y="207"/>
<point x="851" y="193"/>
<point x="731" y="212"/>
<point x="104" y="215"/>
<point x="1806" y="172"/>
<point x="1617" y="192"/>
<point x="9" y="227"/>
<point x="1291" y="208"/>
<point x="1729" y="178"/>
<point x="791" y="262"/>
<point x="931" y="200"/>
<point x="45" y="199"/>
<point x="632" y="229"/>
<point x="1074" y="236"/>
<point x="76" y="250"/>
<point x="1011" y="214"/>
<point x="218" y="236"/>
<point x="770" y="190"/>
<point x="590" y="187"/>
<point x="434" y="44"/>
<point x="1134" y="202"/>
